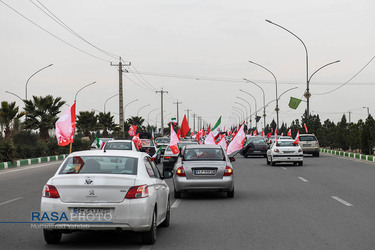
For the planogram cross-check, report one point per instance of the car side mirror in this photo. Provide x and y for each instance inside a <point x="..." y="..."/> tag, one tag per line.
<point x="232" y="159"/>
<point x="167" y="174"/>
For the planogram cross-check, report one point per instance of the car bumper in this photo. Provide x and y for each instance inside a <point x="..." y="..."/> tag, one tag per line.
<point x="182" y="184"/>
<point x="287" y="158"/>
<point x="134" y="215"/>
<point x="310" y="150"/>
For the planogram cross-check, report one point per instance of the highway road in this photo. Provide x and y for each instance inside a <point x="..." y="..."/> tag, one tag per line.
<point x="328" y="203"/>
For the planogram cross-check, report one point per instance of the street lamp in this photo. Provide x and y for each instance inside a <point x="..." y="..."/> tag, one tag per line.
<point x="238" y="110"/>
<point x="14" y="95"/>
<point x="142" y="108"/>
<point x="256" y="107"/>
<point x="75" y="97"/>
<point x="108" y="100"/>
<point x="32" y="76"/>
<point x="245" y="109"/>
<point x="128" y="104"/>
<point x="368" y="111"/>
<point x="264" y="101"/>
<point x="148" y="115"/>
<point x="237" y="115"/>
<point x="249" y="106"/>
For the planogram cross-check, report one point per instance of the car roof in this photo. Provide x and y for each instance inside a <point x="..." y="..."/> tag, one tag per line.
<point x="113" y="141"/>
<point x="306" y="135"/>
<point x="203" y="146"/>
<point x="128" y="153"/>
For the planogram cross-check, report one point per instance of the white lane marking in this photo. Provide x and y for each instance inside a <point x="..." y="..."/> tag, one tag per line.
<point x="342" y="201"/>
<point x="176" y="203"/>
<point x="26" y="168"/>
<point x="303" y="179"/>
<point x="15" y="199"/>
<point x="284" y="168"/>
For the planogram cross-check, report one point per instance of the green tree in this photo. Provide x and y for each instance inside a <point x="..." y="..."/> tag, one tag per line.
<point x="41" y="113"/>
<point x="106" y="122"/>
<point x="9" y="118"/>
<point x="87" y="122"/>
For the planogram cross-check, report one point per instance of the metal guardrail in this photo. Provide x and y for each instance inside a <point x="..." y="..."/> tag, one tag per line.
<point x="25" y="162"/>
<point x="370" y="158"/>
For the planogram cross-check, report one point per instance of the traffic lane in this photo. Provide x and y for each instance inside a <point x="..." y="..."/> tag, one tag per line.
<point x="350" y="180"/>
<point x="271" y="210"/>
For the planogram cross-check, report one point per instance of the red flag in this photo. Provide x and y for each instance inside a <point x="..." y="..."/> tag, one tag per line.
<point x="262" y="133"/>
<point x="173" y="144"/>
<point x="208" y="129"/>
<point x="65" y="126"/>
<point x="289" y="133"/>
<point x="255" y="133"/>
<point x="269" y="135"/>
<point x="223" y="143"/>
<point x="132" y="130"/>
<point x="137" y="141"/>
<point x="276" y="135"/>
<point x="237" y="142"/>
<point x="297" y="138"/>
<point x="305" y="128"/>
<point x="184" y="127"/>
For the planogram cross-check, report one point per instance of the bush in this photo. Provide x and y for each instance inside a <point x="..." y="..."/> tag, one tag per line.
<point x="7" y="151"/>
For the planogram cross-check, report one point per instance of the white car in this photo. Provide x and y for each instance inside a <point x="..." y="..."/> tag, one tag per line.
<point x="120" y="145"/>
<point x="285" y="151"/>
<point x="105" y="190"/>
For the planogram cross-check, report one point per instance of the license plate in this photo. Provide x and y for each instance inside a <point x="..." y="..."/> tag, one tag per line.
<point x="288" y="152"/>
<point x="306" y="145"/>
<point x="94" y="211"/>
<point x="205" y="172"/>
<point x="256" y="151"/>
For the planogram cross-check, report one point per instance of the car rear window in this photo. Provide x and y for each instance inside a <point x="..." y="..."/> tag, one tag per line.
<point x="286" y="144"/>
<point x="118" y="146"/>
<point x="307" y="138"/>
<point x="204" y="154"/>
<point x="100" y="165"/>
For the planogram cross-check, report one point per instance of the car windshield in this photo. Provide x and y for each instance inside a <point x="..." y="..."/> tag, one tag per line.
<point x="100" y="165"/>
<point x="286" y="144"/>
<point x="257" y="141"/>
<point x="162" y="140"/>
<point x="118" y="146"/>
<point x="307" y="138"/>
<point x="204" y="154"/>
<point x="147" y="143"/>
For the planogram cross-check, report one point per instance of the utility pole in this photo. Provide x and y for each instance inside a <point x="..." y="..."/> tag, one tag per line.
<point x="194" y="122"/>
<point x="177" y="111"/>
<point x="121" y="94"/>
<point x="162" y="111"/>
<point x="350" y="116"/>
<point x="188" y="116"/>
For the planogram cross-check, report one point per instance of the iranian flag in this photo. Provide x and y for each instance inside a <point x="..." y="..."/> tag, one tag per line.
<point x="99" y="143"/>
<point x="289" y="133"/>
<point x="255" y="133"/>
<point x="216" y="128"/>
<point x="132" y="130"/>
<point x="173" y="144"/>
<point x="210" y="139"/>
<point x="305" y="127"/>
<point x="156" y="154"/>
<point x="184" y="129"/>
<point x="137" y="141"/>
<point x="223" y="143"/>
<point x="237" y="142"/>
<point x="297" y="138"/>
<point x="65" y="126"/>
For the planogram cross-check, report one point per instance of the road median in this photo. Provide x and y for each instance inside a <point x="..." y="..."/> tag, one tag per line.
<point x="26" y="162"/>
<point x="358" y="156"/>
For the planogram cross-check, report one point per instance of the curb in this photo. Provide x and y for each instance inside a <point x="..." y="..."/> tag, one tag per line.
<point x="25" y="162"/>
<point x="358" y="156"/>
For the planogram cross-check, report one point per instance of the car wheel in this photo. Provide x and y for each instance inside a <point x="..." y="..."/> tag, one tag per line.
<point x="230" y="194"/>
<point x="300" y="163"/>
<point x="165" y="223"/>
<point x="272" y="162"/>
<point x="149" y="237"/>
<point x="245" y="155"/>
<point x="52" y="236"/>
<point x="316" y="154"/>
<point x="268" y="162"/>
<point x="177" y="195"/>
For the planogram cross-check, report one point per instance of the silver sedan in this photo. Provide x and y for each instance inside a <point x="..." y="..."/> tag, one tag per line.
<point x="203" y="168"/>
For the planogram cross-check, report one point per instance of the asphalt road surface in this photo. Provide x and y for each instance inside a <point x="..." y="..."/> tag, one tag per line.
<point x="328" y="203"/>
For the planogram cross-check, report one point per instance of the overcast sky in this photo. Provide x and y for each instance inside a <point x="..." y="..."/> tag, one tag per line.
<point x="198" y="51"/>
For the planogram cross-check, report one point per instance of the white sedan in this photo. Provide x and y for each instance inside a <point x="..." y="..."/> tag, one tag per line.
<point x="105" y="190"/>
<point x="284" y="151"/>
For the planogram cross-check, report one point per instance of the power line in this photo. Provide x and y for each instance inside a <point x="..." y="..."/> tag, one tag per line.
<point x="58" y="38"/>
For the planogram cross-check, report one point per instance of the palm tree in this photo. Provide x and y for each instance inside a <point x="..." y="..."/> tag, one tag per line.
<point x="106" y="123"/>
<point x="87" y="122"/>
<point x="9" y="117"/>
<point x="42" y="114"/>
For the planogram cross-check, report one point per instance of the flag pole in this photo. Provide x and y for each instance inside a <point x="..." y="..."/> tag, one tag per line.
<point x="70" y="148"/>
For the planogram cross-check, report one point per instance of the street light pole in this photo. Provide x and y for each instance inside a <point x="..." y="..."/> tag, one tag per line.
<point x="142" y="108"/>
<point x="148" y="115"/>
<point x="264" y="102"/>
<point x="75" y="97"/>
<point x="256" y="107"/>
<point x="127" y="105"/>
<point x="246" y="112"/>
<point x="108" y="100"/>
<point x="32" y="76"/>
<point x="248" y="104"/>
<point x="368" y="111"/>
<point x="240" y="111"/>
<point x="14" y="94"/>
<point x="277" y="102"/>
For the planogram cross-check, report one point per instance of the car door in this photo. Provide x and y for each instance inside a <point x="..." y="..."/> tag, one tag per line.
<point x="160" y="186"/>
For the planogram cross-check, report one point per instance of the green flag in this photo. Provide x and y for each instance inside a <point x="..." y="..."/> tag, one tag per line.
<point x="294" y="102"/>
